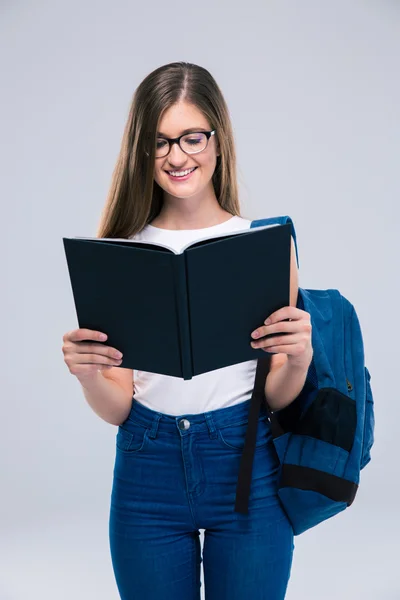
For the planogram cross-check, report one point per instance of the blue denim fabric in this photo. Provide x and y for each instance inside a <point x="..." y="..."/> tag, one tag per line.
<point x="176" y="475"/>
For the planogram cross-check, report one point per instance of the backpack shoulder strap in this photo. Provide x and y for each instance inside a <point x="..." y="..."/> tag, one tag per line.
<point x="281" y="220"/>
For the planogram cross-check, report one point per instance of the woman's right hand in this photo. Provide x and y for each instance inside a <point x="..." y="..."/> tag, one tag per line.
<point x="85" y="357"/>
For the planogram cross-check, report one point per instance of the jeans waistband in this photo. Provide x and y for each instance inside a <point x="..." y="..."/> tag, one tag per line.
<point x="211" y="420"/>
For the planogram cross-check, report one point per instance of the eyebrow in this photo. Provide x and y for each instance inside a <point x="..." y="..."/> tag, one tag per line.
<point x="190" y="130"/>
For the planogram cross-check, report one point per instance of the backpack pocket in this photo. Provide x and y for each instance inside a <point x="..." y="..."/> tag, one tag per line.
<point x="324" y="436"/>
<point x="311" y="486"/>
<point x="331" y="418"/>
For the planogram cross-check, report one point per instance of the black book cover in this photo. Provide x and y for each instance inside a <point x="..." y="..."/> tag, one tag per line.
<point x="181" y="314"/>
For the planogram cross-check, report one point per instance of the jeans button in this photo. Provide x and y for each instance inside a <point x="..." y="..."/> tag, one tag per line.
<point x="184" y="424"/>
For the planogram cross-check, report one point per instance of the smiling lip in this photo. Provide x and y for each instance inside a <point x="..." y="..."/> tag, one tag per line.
<point x="185" y="178"/>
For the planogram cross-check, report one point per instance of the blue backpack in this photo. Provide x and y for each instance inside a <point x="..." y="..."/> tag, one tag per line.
<point x="324" y="437"/>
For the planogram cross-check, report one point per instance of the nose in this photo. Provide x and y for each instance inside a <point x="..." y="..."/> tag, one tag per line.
<point x="176" y="155"/>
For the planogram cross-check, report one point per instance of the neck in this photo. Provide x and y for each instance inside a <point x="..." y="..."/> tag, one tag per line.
<point x="170" y="220"/>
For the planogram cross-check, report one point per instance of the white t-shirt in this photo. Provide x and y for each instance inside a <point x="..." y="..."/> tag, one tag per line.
<point x="209" y="391"/>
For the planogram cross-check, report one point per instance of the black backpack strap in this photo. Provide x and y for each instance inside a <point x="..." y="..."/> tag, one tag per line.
<point x="246" y="461"/>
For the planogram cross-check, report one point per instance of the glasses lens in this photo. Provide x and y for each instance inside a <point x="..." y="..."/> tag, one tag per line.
<point x="162" y="147"/>
<point x="194" y="142"/>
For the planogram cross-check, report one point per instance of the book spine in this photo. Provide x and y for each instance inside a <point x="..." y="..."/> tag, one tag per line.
<point x="182" y="304"/>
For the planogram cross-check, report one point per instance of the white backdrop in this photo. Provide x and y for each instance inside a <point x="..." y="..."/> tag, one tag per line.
<point x="314" y="94"/>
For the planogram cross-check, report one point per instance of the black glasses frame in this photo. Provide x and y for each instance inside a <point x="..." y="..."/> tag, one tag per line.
<point x="177" y="140"/>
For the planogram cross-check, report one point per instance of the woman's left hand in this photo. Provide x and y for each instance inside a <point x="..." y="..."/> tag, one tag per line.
<point x="297" y="341"/>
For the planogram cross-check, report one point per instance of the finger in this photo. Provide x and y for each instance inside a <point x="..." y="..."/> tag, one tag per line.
<point x="82" y="348"/>
<point x="79" y="335"/>
<point x="298" y="350"/>
<point x="80" y="370"/>
<point x="284" y="327"/>
<point x="271" y="343"/>
<point x="276" y="350"/>
<point x="99" y="359"/>
<point x="282" y="349"/>
<point x="287" y="312"/>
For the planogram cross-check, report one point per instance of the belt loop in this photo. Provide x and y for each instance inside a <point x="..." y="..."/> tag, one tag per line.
<point x="211" y="426"/>
<point x="154" y="427"/>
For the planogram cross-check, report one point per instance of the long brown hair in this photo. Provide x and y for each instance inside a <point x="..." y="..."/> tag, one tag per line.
<point x="134" y="198"/>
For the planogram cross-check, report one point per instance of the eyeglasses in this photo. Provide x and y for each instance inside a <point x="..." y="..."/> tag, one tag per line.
<point x="190" y="143"/>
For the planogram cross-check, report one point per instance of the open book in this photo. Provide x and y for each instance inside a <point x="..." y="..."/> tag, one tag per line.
<point x="181" y="313"/>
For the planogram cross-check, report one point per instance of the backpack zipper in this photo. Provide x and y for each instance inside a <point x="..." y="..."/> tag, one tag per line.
<point x="349" y="386"/>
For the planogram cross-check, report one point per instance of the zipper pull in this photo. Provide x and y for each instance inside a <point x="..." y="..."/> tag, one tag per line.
<point x="349" y="386"/>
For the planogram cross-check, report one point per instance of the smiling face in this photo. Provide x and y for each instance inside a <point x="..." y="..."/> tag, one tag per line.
<point x="175" y="120"/>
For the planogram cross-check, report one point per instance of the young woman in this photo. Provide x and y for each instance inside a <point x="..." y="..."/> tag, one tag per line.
<point x="179" y="443"/>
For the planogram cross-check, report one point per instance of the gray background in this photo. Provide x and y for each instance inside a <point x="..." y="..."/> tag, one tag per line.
<point x="313" y="90"/>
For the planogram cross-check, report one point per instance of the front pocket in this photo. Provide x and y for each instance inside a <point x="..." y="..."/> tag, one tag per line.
<point x="331" y="418"/>
<point x="233" y="436"/>
<point x="131" y="441"/>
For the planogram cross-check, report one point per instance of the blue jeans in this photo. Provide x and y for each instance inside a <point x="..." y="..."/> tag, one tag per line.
<point x="176" y="475"/>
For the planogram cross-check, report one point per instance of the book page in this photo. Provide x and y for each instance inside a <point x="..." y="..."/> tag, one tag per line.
<point x="127" y="241"/>
<point x="188" y="245"/>
<point x="226" y="234"/>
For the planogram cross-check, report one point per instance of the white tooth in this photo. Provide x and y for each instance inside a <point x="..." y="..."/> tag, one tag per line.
<point x="181" y="173"/>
